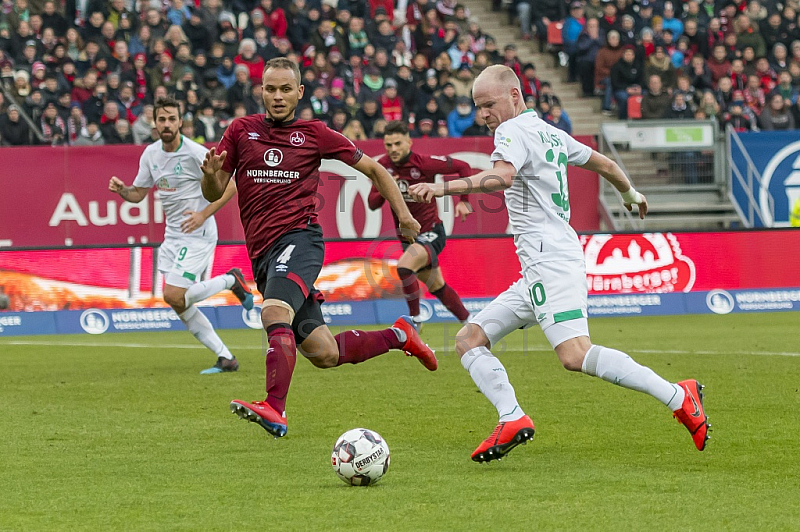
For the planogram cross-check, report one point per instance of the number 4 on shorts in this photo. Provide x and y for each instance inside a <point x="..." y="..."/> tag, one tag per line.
<point x="286" y="255"/>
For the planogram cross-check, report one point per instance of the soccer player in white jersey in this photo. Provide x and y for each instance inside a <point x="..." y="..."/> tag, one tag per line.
<point x="172" y="166"/>
<point x="530" y="165"/>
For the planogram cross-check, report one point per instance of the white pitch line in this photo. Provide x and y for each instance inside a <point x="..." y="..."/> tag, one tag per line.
<point x="448" y="349"/>
<point x="124" y="345"/>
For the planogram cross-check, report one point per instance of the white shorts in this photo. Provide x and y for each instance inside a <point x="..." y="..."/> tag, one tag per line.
<point x="183" y="261"/>
<point x="552" y="294"/>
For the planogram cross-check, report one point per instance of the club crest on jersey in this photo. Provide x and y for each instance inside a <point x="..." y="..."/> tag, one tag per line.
<point x="178" y="168"/>
<point x="415" y="173"/>
<point x="273" y="157"/>
<point x="297" y="138"/>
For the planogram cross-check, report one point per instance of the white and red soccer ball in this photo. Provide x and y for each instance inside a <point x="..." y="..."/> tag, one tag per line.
<point x="360" y="457"/>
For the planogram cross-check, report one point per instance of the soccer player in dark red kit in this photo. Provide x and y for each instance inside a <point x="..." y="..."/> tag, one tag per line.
<point x="276" y="158"/>
<point x="420" y="260"/>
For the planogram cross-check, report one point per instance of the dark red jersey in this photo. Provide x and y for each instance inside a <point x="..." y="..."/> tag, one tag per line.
<point x="277" y="173"/>
<point x="420" y="169"/>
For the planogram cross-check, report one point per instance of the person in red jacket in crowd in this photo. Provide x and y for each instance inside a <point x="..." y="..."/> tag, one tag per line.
<point x="274" y="18"/>
<point x="391" y="103"/>
<point x="247" y="57"/>
<point x="419" y="260"/>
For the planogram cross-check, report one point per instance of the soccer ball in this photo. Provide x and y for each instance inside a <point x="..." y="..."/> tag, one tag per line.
<point x="360" y="457"/>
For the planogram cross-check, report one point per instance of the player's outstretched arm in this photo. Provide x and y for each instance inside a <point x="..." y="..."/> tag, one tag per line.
<point x="215" y="179"/>
<point x="131" y="194"/>
<point x="612" y="173"/>
<point x="500" y="177"/>
<point x="389" y="190"/>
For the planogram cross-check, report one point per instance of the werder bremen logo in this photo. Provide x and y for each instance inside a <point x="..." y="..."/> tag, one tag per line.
<point x="178" y="168"/>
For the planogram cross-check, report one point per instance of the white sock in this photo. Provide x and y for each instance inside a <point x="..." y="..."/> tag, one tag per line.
<point x="201" y="328"/>
<point x="200" y="291"/>
<point x="492" y="380"/>
<point x="618" y="368"/>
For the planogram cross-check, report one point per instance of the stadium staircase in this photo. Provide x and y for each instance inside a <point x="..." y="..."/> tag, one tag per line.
<point x="583" y="112"/>
<point x="674" y="206"/>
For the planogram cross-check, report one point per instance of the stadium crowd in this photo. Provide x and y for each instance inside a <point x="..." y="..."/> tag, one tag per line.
<point x="87" y="72"/>
<point x="736" y="61"/>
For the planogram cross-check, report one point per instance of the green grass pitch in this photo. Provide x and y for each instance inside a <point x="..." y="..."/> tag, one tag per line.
<point x="120" y="432"/>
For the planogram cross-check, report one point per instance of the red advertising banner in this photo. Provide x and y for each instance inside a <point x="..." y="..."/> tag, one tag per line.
<point x="475" y="267"/>
<point x="63" y="197"/>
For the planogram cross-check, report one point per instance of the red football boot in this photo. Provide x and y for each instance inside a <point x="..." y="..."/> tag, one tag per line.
<point x="506" y="436"/>
<point x="414" y="346"/>
<point x="261" y="413"/>
<point x="691" y="413"/>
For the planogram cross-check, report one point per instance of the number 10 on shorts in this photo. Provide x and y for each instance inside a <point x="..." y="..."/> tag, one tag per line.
<point x="538" y="297"/>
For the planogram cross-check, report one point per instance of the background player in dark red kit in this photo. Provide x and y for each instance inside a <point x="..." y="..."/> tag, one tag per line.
<point x="276" y="160"/>
<point x="420" y="259"/>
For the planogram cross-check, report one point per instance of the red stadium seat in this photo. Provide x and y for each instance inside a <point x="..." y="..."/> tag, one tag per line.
<point x="635" y="107"/>
<point x="554" y="36"/>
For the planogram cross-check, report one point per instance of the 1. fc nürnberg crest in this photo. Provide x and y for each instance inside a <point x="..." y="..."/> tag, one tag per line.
<point x="649" y="262"/>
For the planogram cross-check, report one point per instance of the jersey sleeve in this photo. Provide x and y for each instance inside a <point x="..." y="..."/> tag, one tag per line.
<point x="577" y="153"/>
<point x="509" y="146"/>
<point x="144" y="178"/>
<point x="333" y="145"/>
<point x="228" y="143"/>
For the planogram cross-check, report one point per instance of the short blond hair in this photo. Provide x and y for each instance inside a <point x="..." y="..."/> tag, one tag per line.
<point x="285" y="64"/>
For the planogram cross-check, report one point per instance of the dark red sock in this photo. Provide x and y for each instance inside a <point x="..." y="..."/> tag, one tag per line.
<point x="281" y="358"/>
<point x="408" y="279"/>
<point x="450" y="299"/>
<point x="358" y="346"/>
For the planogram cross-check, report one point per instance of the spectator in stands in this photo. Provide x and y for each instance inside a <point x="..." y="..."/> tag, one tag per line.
<point x="463" y="81"/>
<point x="724" y="93"/>
<point x="656" y="101"/>
<point x="368" y="115"/>
<point x="122" y="133"/>
<point x="354" y="131"/>
<point x="718" y="64"/>
<point x="478" y="128"/>
<point x="626" y="80"/>
<point x="699" y="74"/>
<point x="678" y="109"/>
<point x="589" y="43"/>
<point x="609" y="20"/>
<point x="52" y="126"/>
<point x="91" y="136"/>
<point x="391" y="104"/>
<point x="22" y="86"/>
<point x="754" y="95"/>
<point x="555" y="118"/>
<point x="776" y="116"/>
<point x="786" y="89"/>
<point x="247" y="57"/>
<point x="14" y="131"/>
<point x="659" y="64"/>
<point x="531" y="85"/>
<point x="607" y="57"/>
<point x="739" y="116"/>
<point x="747" y="35"/>
<point x="545" y="12"/>
<point x="709" y="106"/>
<point x="461" y="117"/>
<point x="75" y="122"/>
<point x="670" y="22"/>
<point x="573" y="26"/>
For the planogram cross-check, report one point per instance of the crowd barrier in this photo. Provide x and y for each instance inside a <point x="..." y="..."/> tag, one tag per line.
<point x="103" y="290"/>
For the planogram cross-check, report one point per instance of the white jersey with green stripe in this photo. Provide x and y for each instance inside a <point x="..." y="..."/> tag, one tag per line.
<point x="538" y="200"/>
<point x="176" y="176"/>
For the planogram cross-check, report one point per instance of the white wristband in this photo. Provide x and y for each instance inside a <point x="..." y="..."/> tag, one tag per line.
<point x="631" y="196"/>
